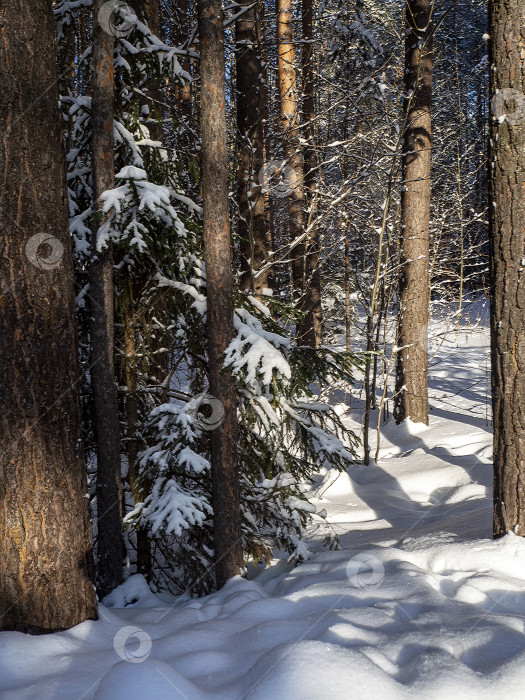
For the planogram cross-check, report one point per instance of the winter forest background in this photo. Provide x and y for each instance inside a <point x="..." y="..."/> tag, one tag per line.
<point x="249" y="254"/>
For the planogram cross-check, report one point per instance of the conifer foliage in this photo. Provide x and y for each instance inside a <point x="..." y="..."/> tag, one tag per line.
<point x="285" y="432"/>
<point x="259" y="225"/>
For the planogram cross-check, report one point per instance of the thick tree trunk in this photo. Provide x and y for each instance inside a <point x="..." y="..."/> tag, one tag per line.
<point x="254" y="234"/>
<point x="412" y="361"/>
<point x="295" y="199"/>
<point x="313" y="322"/>
<point x="507" y="247"/>
<point x="107" y="426"/>
<point x="46" y="569"/>
<point x="217" y="258"/>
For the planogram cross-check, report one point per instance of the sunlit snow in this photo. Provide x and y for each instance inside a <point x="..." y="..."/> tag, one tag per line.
<point x="419" y="602"/>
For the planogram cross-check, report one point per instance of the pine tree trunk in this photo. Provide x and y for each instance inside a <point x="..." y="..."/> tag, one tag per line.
<point x="253" y="229"/>
<point x="313" y="322"/>
<point x="219" y="294"/>
<point x="412" y="361"/>
<point x="507" y="249"/>
<point x="105" y="400"/>
<point x="46" y="565"/>
<point x="295" y="199"/>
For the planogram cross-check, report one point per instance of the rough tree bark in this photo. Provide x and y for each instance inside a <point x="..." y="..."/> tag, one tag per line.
<point x="46" y="570"/>
<point x="217" y="259"/>
<point x="105" y="400"/>
<point x="254" y="234"/>
<point x="507" y="252"/>
<point x="412" y="360"/>
<point x="295" y="200"/>
<point x="314" y="314"/>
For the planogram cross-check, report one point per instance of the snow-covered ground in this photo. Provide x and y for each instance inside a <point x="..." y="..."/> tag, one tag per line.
<point x="419" y="602"/>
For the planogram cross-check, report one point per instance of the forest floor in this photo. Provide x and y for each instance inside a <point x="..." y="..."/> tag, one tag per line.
<point x="418" y="602"/>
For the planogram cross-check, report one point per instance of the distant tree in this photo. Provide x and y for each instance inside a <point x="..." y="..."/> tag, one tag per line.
<point x="105" y="401"/>
<point x="414" y="288"/>
<point x="254" y="233"/>
<point x="219" y="287"/>
<point x="152" y="114"/>
<point x="46" y="571"/>
<point x="314" y="313"/>
<point x="148" y="11"/>
<point x="507" y="258"/>
<point x="295" y="200"/>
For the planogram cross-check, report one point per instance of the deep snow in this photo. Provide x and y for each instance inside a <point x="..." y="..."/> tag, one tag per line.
<point x="418" y="602"/>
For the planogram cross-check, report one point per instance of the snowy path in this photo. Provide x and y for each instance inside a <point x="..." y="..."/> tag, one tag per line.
<point x="418" y="603"/>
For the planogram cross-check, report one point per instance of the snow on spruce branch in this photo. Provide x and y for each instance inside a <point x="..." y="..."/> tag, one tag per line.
<point x="134" y="207"/>
<point x="285" y="434"/>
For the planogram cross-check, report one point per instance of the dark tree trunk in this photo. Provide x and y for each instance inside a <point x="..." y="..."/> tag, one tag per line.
<point x="295" y="198"/>
<point x="181" y="32"/>
<point x="148" y="11"/>
<point x="254" y="233"/>
<point x="313" y="322"/>
<point x="151" y="13"/>
<point x="139" y="489"/>
<point x="107" y="426"/>
<point x="348" y="303"/>
<point x="151" y="10"/>
<point x="46" y="569"/>
<point x="345" y="225"/>
<point x="412" y="361"/>
<point x="507" y="249"/>
<point x="217" y="258"/>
